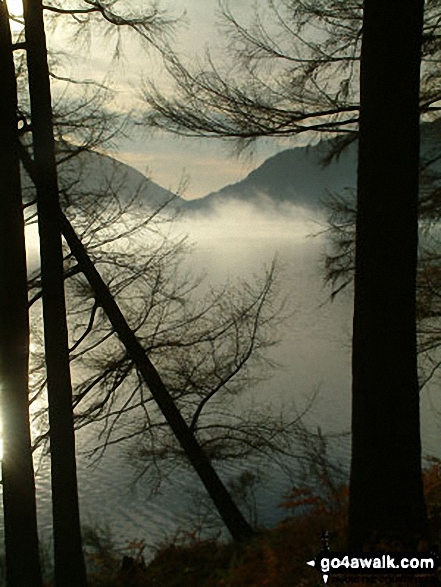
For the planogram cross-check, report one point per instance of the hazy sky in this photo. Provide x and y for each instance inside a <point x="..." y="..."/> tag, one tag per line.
<point x="208" y="164"/>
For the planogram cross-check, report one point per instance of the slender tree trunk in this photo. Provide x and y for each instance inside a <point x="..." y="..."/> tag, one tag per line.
<point x="68" y="556"/>
<point x="386" y="497"/>
<point x="20" y="518"/>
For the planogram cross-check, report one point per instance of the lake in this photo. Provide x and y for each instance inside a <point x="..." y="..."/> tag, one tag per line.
<point x="313" y="357"/>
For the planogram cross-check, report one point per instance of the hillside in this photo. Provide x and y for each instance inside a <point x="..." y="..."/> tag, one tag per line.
<point x="94" y="174"/>
<point x="298" y="176"/>
<point x="295" y="175"/>
<point x="99" y="173"/>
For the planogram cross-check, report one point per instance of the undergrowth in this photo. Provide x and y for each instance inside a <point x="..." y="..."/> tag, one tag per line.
<point x="274" y="557"/>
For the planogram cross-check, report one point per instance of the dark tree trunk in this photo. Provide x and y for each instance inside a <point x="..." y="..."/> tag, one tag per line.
<point x="19" y="507"/>
<point x="228" y="510"/>
<point x="68" y="556"/>
<point x="386" y="497"/>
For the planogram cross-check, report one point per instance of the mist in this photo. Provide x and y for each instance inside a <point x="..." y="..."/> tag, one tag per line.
<point x="238" y="240"/>
<point x="234" y="242"/>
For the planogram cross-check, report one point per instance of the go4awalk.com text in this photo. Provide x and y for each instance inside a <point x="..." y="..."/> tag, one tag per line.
<point x="422" y="564"/>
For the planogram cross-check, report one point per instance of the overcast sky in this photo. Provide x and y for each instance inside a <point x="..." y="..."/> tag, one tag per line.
<point x="208" y="164"/>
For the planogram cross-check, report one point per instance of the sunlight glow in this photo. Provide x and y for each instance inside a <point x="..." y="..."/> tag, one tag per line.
<point x="15" y="8"/>
<point x="1" y="441"/>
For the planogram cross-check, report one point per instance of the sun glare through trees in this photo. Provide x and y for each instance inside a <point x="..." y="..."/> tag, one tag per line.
<point x="15" y="8"/>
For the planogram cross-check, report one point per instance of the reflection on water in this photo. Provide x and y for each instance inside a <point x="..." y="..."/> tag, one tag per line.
<point x="314" y="355"/>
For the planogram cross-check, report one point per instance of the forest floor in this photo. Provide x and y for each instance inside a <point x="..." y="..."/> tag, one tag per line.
<point x="273" y="558"/>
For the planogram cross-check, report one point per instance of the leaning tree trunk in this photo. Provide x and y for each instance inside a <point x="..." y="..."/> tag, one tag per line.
<point x="227" y="509"/>
<point x="386" y="497"/>
<point x="19" y="507"/>
<point x="68" y="556"/>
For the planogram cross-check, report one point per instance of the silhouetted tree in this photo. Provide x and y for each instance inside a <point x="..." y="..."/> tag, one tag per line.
<point x="228" y="510"/>
<point x="316" y="88"/>
<point x="386" y="494"/>
<point x="238" y="328"/>
<point x="340" y="259"/>
<point x="19" y="506"/>
<point x="137" y="357"/>
<point x="65" y="504"/>
<point x="68" y="555"/>
<point x="203" y="399"/>
<point x="292" y="68"/>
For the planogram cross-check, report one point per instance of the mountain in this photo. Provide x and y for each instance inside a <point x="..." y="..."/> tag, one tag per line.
<point x="296" y="175"/>
<point x="90" y="174"/>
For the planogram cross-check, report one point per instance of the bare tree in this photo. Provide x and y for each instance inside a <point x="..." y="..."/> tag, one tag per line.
<point x="136" y="356"/>
<point x="204" y="348"/>
<point x="319" y="87"/>
<point x="287" y="78"/>
<point x="295" y="70"/>
<point x="224" y="344"/>
<point x="69" y="562"/>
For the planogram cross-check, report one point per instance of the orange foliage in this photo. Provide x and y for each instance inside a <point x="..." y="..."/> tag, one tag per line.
<point x="274" y="558"/>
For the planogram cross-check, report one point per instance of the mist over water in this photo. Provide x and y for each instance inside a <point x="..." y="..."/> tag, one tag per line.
<point x="237" y="241"/>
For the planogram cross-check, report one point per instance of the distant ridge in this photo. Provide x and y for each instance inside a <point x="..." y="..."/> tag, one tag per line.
<point x="296" y="175"/>
<point x="92" y="172"/>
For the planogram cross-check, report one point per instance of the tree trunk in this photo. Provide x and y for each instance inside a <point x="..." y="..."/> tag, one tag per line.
<point x="19" y="507"/>
<point x="68" y="556"/>
<point x="386" y="497"/>
<point x="228" y="510"/>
